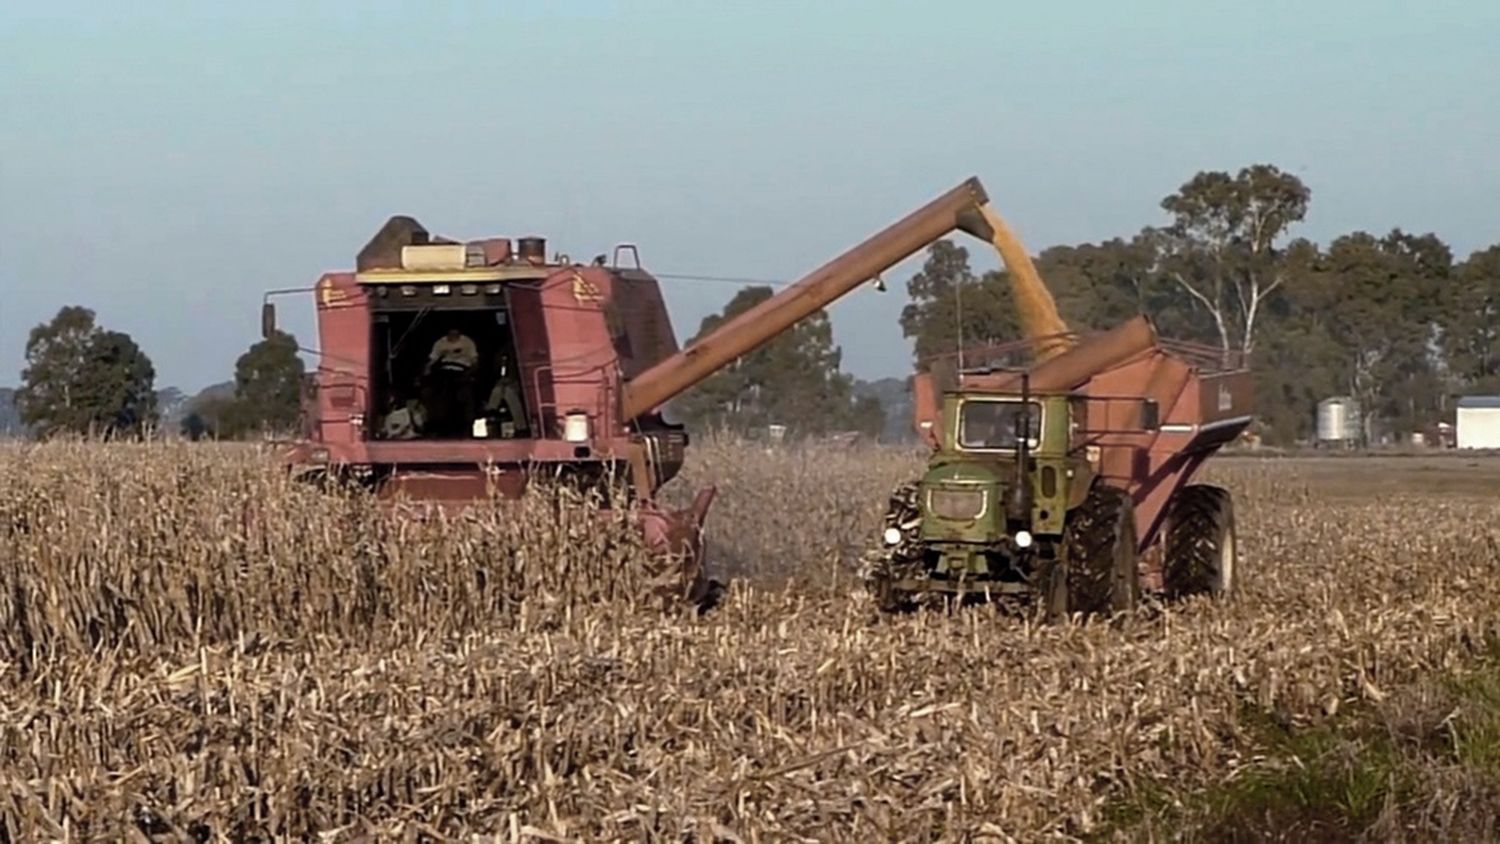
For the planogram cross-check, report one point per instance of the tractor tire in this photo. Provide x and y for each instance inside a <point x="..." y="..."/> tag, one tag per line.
<point x="890" y="600"/>
<point x="880" y="563"/>
<point x="1100" y="551"/>
<point x="1201" y="553"/>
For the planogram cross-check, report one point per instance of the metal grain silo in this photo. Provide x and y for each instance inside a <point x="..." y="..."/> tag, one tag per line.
<point x="1338" y="421"/>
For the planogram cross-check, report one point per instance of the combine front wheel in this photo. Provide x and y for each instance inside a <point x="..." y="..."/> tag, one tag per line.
<point x="1100" y="552"/>
<point x="1201" y="557"/>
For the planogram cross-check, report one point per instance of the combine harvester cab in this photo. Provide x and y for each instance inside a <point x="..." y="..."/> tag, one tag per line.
<point x="563" y="368"/>
<point x="1068" y="484"/>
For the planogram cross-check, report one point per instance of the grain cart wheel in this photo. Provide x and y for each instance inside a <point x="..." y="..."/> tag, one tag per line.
<point x="1201" y="557"/>
<point x="1099" y="548"/>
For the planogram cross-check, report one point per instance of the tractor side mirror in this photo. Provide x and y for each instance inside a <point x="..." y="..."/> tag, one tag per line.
<point x="267" y="320"/>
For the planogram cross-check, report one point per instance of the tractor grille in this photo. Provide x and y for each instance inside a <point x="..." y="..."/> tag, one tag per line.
<point x="957" y="504"/>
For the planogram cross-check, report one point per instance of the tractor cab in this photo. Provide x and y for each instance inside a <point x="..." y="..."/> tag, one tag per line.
<point x="1005" y="470"/>
<point x="1009" y="468"/>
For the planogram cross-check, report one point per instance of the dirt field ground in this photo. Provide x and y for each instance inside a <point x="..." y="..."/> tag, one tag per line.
<point x="189" y="647"/>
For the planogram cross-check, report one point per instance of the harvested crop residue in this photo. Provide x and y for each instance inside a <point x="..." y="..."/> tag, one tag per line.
<point x="192" y="646"/>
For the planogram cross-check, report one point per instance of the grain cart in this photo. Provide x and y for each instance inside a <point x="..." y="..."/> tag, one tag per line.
<point x="1067" y="483"/>
<point x="581" y="356"/>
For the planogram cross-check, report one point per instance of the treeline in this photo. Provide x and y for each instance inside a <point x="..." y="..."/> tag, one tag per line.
<point x="81" y="378"/>
<point x="1392" y="319"/>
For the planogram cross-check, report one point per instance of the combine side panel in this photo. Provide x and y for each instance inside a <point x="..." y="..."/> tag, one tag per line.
<point x="567" y="355"/>
<point x="343" y="392"/>
<point x="584" y="362"/>
<point x="639" y="323"/>
<point x="451" y="485"/>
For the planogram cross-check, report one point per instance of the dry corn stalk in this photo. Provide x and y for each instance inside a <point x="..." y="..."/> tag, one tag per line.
<point x="190" y="646"/>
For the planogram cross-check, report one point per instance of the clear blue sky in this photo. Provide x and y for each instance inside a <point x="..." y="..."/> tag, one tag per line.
<point x="165" y="165"/>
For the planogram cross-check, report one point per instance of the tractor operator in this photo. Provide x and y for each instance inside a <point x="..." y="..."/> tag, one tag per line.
<point x="454" y="351"/>
<point x="450" y="397"/>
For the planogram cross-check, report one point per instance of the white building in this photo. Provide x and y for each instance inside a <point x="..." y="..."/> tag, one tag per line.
<point x="1478" y="422"/>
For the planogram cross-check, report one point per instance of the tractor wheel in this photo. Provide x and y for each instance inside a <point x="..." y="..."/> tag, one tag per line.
<point x="889" y="599"/>
<point x="1099" y="548"/>
<point x="881" y="563"/>
<point x="1201" y="555"/>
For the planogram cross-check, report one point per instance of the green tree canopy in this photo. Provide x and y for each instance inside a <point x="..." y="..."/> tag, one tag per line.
<point x="951" y="307"/>
<point x="867" y="415"/>
<point x="1390" y="320"/>
<point x="1471" y="323"/>
<point x="268" y="384"/>
<point x="80" y="378"/>
<point x="794" y="380"/>
<point x="1388" y="301"/>
<point x="1221" y="246"/>
<point x="266" y="397"/>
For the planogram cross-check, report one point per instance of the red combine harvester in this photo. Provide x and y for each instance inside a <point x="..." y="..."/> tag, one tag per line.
<point x="458" y="370"/>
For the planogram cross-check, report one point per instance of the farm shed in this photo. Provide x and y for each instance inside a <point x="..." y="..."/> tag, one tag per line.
<point x="1479" y="422"/>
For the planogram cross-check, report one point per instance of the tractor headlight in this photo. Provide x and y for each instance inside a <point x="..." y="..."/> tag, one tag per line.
<point x="892" y="536"/>
<point x="1023" y="539"/>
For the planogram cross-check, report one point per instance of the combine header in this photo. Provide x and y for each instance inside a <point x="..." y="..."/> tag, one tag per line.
<point x="1068" y="482"/>
<point x="459" y="370"/>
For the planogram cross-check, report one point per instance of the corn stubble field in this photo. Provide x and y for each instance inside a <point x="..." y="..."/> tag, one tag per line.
<point x="191" y="647"/>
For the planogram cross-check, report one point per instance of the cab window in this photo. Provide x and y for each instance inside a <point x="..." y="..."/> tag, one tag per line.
<point x="995" y="424"/>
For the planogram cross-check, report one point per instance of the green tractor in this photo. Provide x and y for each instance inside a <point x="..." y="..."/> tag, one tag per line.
<point x="1055" y="495"/>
